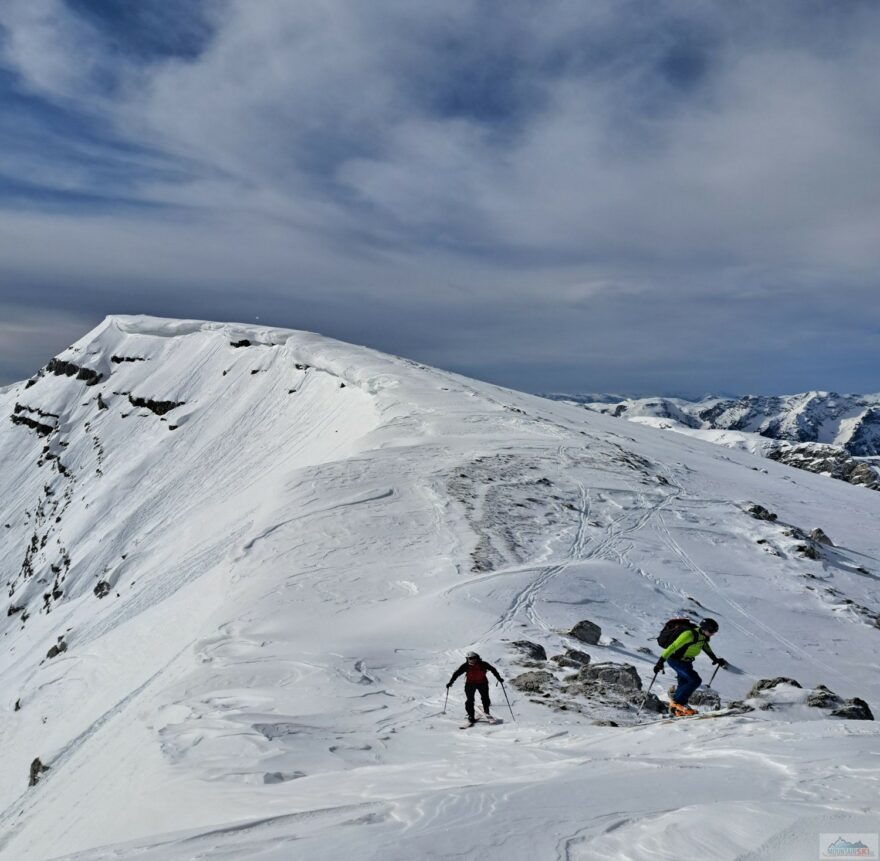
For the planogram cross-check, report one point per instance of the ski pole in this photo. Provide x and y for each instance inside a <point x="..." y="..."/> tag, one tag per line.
<point x="508" y="701"/>
<point x="639" y="709"/>
<point x="445" y="701"/>
<point x="713" y="676"/>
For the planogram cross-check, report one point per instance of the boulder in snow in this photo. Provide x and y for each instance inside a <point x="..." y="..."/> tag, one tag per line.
<point x="534" y="681"/>
<point x="854" y="709"/>
<point x="617" y="676"/>
<point x="587" y="632"/>
<point x="823" y="698"/>
<point x="818" y="535"/>
<point x="532" y="650"/>
<point x="767" y="684"/>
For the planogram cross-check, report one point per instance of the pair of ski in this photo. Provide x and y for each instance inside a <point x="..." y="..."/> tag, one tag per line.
<point x="671" y="718"/>
<point x="481" y="719"/>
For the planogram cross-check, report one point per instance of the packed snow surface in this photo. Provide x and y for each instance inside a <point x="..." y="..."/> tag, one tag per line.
<point x="259" y="554"/>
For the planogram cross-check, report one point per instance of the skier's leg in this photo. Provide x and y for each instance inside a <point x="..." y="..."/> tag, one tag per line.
<point x="469" y="690"/>
<point x="688" y="680"/>
<point x="684" y="671"/>
<point x="694" y="681"/>
<point x="483" y="688"/>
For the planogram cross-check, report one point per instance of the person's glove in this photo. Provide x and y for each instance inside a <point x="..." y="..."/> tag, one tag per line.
<point x="658" y="667"/>
<point x="720" y="662"/>
<point x="500" y="681"/>
<point x="448" y="685"/>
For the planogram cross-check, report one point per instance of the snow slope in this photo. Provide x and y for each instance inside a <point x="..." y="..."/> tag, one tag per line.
<point x="294" y="558"/>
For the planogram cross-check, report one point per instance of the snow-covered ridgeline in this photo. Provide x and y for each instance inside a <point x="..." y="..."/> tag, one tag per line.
<point x="264" y="552"/>
<point x="822" y="432"/>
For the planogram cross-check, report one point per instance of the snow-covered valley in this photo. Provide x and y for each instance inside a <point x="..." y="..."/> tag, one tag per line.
<point x="258" y="555"/>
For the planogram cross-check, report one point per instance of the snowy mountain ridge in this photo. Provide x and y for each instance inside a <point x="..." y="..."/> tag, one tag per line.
<point x="821" y="432"/>
<point x="242" y="562"/>
<point x="849" y="421"/>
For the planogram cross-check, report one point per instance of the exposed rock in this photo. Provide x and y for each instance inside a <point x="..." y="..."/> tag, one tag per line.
<point x="705" y="697"/>
<point x="573" y="659"/>
<point x="102" y="589"/>
<point x="57" y="649"/>
<point x="644" y="650"/>
<point x="534" y="681"/>
<point x="828" y="460"/>
<point x="808" y="551"/>
<point x="621" y="676"/>
<point x="33" y="424"/>
<point x="158" y="407"/>
<point x="532" y="650"/>
<point x="118" y="360"/>
<point x="818" y="535"/>
<point x="761" y="513"/>
<point x="244" y="342"/>
<point x="605" y="723"/>
<point x="822" y="698"/>
<point x="37" y="768"/>
<point x="17" y="705"/>
<point x="12" y="610"/>
<point x="767" y="684"/>
<point x="587" y="632"/>
<point x="854" y="709"/>
<point x="647" y="702"/>
<point x="102" y="404"/>
<point x="68" y="369"/>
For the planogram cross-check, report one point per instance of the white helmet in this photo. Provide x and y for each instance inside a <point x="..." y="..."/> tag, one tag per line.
<point x="472" y="655"/>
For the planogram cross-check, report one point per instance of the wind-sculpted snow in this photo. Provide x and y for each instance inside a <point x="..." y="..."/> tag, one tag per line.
<point x="263" y="589"/>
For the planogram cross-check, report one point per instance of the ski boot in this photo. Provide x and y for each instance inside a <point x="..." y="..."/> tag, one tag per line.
<point x="678" y="710"/>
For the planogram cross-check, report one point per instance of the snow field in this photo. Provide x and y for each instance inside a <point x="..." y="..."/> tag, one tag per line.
<point x="303" y="572"/>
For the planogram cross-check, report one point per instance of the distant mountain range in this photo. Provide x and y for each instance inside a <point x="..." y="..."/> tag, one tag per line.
<point x="823" y="432"/>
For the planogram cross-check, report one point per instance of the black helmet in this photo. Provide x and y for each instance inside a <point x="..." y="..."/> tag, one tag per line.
<point x="709" y="625"/>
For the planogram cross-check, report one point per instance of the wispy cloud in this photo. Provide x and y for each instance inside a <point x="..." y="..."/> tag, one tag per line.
<point x="551" y="170"/>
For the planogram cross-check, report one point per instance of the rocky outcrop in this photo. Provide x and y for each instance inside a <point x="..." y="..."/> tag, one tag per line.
<point x="705" y="697"/>
<point x="823" y="698"/>
<point x="37" y="768"/>
<point x="619" y="676"/>
<point x="769" y="684"/>
<point x="534" y="682"/>
<point x="818" y="535"/>
<point x="57" y="649"/>
<point x="587" y="632"/>
<point x="534" y="651"/>
<point x="573" y="659"/>
<point x="67" y="369"/>
<point x="827" y="460"/>
<point x="854" y="709"/>
<point x="761" y="513"/>
<point x="157" y="407"/>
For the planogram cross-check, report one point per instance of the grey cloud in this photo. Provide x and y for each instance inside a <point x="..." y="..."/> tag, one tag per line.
<point x="611" y="186"/>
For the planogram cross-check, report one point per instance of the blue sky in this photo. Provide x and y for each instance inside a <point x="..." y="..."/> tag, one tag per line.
<point x="641" y="197"/>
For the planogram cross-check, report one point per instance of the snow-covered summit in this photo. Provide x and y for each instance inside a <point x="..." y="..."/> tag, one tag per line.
<point x="242" y="562"/>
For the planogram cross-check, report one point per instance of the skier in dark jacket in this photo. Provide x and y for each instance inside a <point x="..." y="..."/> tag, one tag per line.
<point x="475" y="680"/>
<point x="680" y="655"/>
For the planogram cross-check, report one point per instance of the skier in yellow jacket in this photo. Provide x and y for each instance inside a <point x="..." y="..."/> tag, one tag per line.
<point x="680" y="656"/>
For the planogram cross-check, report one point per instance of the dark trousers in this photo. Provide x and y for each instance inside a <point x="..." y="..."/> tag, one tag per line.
<point x="470" y="688"/>
<point x="688" y="680"/>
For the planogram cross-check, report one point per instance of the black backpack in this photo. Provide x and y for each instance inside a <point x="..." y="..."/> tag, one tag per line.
<point x="673" y="629"/>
